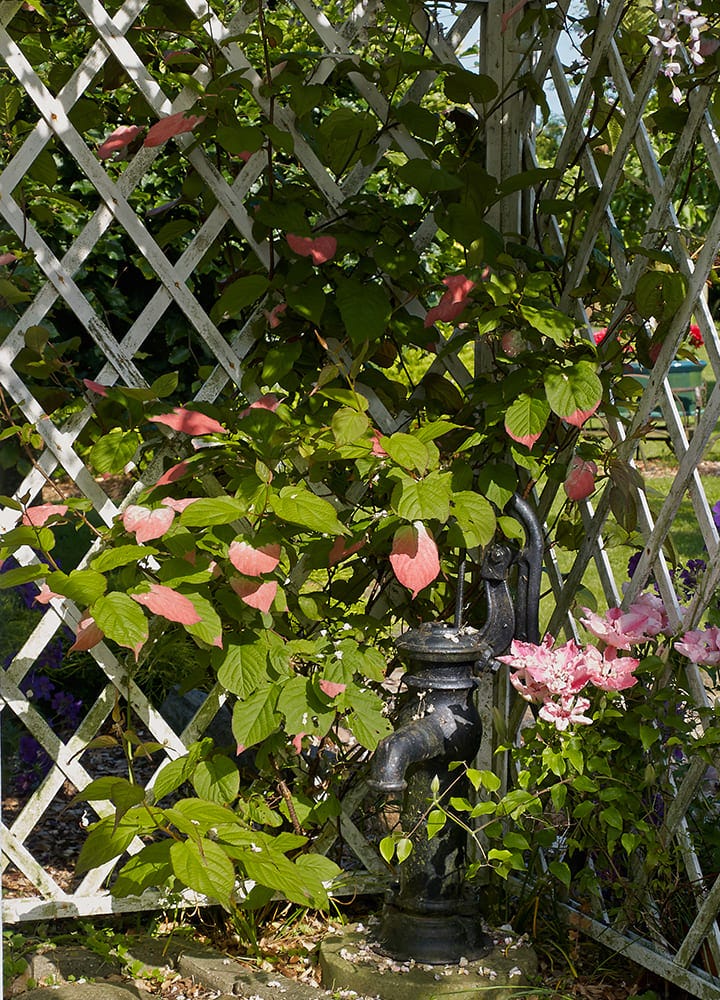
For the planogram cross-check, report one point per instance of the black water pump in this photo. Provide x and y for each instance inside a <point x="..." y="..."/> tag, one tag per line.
<point x="428" y="915"/>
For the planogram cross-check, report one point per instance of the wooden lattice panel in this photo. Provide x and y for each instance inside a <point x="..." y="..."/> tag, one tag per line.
<point x="116" y="206"/>
<point x="115" y="190"/>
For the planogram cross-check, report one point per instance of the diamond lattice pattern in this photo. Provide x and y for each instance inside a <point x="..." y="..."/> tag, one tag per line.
<point x="108" y="204"/>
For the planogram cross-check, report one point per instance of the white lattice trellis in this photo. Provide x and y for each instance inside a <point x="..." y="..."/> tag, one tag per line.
<point x="510" y="147"/>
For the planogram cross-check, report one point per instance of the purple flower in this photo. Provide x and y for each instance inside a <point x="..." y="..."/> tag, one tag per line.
<point x="41" y="686"/>
<point x="28" y="748"/>
<point x="67" y="707"/>
<point x="716" y="515"/>
<point x="633" y="563"/>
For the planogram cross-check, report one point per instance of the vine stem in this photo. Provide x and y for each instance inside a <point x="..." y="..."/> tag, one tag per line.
<point x="271" y="117"/>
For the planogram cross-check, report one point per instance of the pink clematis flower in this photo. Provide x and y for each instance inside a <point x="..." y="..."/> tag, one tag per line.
<point x="545" y="671"/>
<point x="643" y="620"/>
<point x="614" y="673"/>
<point x="701" y="646"/>
<point x="566" y="712"/>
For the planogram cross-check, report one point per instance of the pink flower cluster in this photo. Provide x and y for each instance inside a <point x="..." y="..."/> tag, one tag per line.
<point x="620" y="629"/>
<point x="556" y="676"/>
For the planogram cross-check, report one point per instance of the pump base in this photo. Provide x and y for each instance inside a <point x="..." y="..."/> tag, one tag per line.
<point x="433" y="939"/>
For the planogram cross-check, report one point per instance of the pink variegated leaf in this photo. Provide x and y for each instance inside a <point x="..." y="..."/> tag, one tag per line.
<point x="454" y="300"/>
<point x="330" y="688"/>
<point x="7" y="258"/>
<point x="377" y="448"/>
<point x="254" y="593"/>
<point x="338" y="552"/>
<point x="268" y="402"/>
<point x="254" y="562"/>
<point x="88" y="635"/>
<point x="169" y="604"/>
<point x="297" y="742"/>
<point x="147" y="524"/>
<point x="414" y="557"/>
<point x="321" y="249"/>
<point x="45" y="595"/>
<point x="117" y="140"/>
<point x="189" y="422"/>
<point x="97" y="387"/>
<point x="171" y="126"/>
<point x="578" y="418"/>
<point x="174" y="473"/>
<point x="36" y="517"/>
<point x="178" y="505"/>
<point x="273" y="317"/>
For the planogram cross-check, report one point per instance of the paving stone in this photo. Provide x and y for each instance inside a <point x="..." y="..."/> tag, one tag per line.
<point x="84" y="991"/>
<point x="348" y="963"/>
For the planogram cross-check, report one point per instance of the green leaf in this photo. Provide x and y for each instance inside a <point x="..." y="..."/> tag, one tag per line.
<point x="349" y="426"/>
<point x="107" y="841"/>
<point x="10" y="101"/>
<point x="255" y="718"/>
<point x="404" y="849"/>
<point x="279" y="361"/>
<point x="549" y="321"/>
<point x="612" y="817"/>
<point x="561" y="871"/>
<point x="527" y="179"/>
<point x="387" y="848"/>
<point x="342" y="137"/>
<point x="475" y="517"/>
<point x="648" y="735"/>
<point x="165" y="385"/>
<point x="486" y="779"/>
<point x="43" y="169"/>
<point x="297" y="505"/>
<point x="23" y="574"/>
<point x="515" y="841"/>
<point x="367" y="720"/>
<point x="461" y="85"/>
<point x="435" y="822"/>
<point x="365" y="309"/>
<point x="150" y="867"/>
<point x="173" y="774"/>
<point x="121" y="619"/>
<point x="213" y="510"/>
<point x="572" y="388"/>
<point x="308" y="300"/>
<point x="573" y="750"/>
<point x="36" y="338"/>
<point x="238" y="296"/>
<point x="204" y="867"/>
<point x="123" y="555"/>
<point x="427" y="177"/>
<point x="558" y="794"/>
<point x="209" y="628"/>
<point x="424" y="499"/>
<point x="217" y="779"/>
<point x="173" y="231"/>
<point x="112" y="452"/>
<point x="83" y="586"/>
<point x="407" y="451"/>
<point x="243" y="667"/>
<point x="525" y="420"/>
<point x="236" y="139"/>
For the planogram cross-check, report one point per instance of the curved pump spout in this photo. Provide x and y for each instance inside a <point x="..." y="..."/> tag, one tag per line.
<point x="417" y="741"/>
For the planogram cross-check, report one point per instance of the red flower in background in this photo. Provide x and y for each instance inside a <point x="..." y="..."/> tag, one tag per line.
<point x="695" y="336"/>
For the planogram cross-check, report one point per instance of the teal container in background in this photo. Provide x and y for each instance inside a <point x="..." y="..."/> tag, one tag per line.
<point x="686" y="383"/>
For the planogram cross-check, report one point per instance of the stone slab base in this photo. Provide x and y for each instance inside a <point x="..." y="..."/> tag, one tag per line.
<point x="349" y="963"/>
